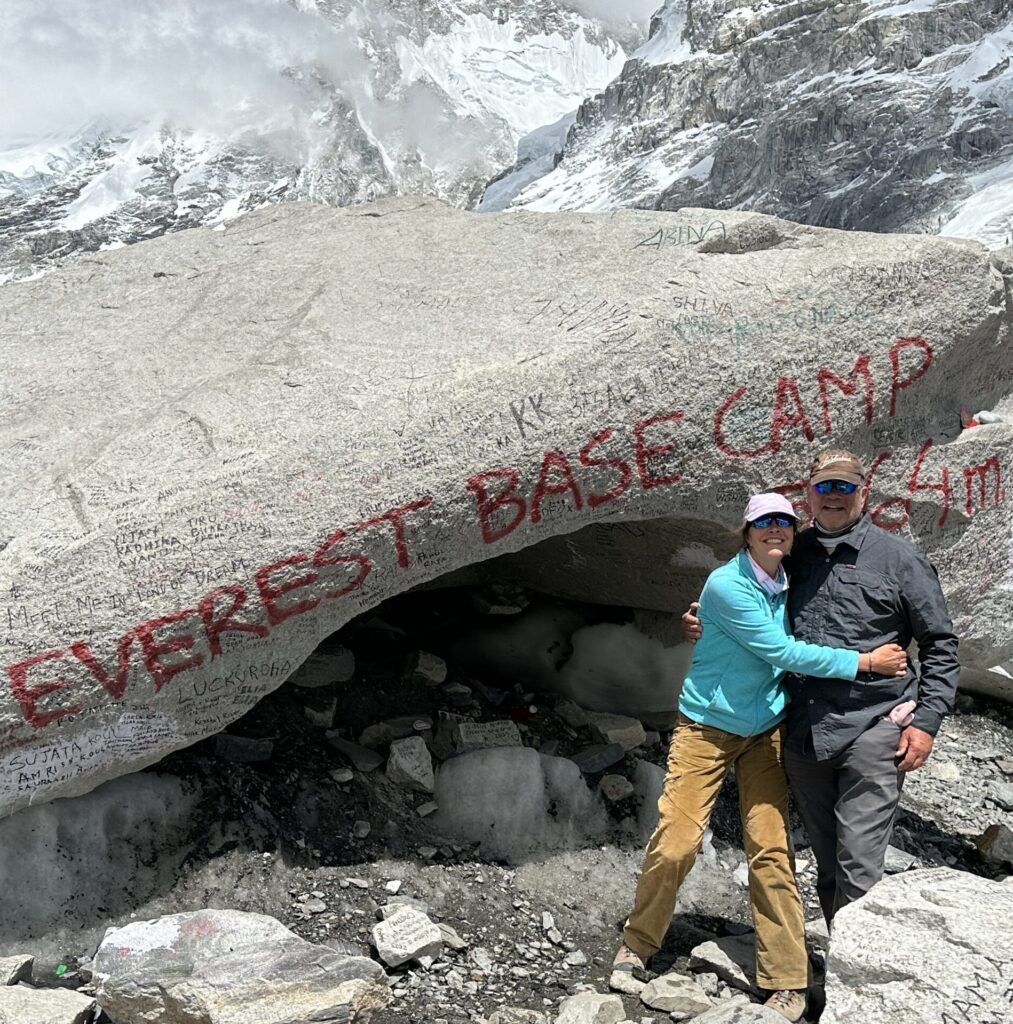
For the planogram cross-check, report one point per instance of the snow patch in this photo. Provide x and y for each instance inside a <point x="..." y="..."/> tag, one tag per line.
<point x="987" y="215"/>
<point x="667" y="45"/>
<point x="108" y="190"/>
<point x="490" y="68"/>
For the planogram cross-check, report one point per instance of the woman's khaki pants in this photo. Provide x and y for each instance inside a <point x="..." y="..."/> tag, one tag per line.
<point x="698" y="761"/>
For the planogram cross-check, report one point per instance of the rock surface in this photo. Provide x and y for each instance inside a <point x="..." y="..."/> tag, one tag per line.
<point x="675" y="993"/>
<point x="229" y="967"/>
<point x="925" y="947"/>
<point x="22" y="1005"/>
<point x="172" y="563"/>
<point x="16" y="968"/>
<point x="590" y="1008"/>
<point x="407" y="934"/>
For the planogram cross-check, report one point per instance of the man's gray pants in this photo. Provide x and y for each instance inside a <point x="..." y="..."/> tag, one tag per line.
<point x="848" y="804"/>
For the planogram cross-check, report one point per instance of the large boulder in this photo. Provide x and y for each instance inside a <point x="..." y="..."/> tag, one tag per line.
<point x="925" y="947"/>
<point x="230" y="967"/>
<point x="220" y="446"/>
<point x="515" y="801"/>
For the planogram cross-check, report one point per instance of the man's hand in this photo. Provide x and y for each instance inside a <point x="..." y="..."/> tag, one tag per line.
<point x="914" y="748"/>
<point x="691" y="628"/>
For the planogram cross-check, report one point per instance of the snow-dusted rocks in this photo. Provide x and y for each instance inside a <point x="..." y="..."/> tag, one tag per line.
<point x="406" y="934"/>
<point x="925" y="947"/>
<point x="229" y="967"/>
<point x="181" y="531"/>
<point x="22" y="1005"/>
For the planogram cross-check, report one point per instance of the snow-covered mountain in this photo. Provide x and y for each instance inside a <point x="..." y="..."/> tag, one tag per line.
<point x="882" y="115"/>
<point x="181" y="114"/>
<point x="875" y="114"/>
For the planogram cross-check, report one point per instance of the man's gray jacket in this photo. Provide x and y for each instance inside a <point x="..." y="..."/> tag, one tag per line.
<point x="876" y="588"/>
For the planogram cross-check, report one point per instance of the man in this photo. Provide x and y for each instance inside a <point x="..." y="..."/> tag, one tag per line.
<point x="848" y="745"/>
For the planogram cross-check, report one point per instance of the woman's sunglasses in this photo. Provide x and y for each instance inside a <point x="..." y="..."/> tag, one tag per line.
<point x="841" y="486"/>
<point x="764" y="521"/>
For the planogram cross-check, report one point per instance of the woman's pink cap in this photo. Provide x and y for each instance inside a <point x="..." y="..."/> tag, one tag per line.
<point x="767" y="504"/>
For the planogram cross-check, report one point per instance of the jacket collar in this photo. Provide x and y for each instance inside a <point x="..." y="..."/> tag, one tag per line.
<point x="857" y="535"/>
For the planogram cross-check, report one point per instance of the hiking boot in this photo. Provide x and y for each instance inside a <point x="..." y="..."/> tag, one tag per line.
<point x="788" y="1002"/>
<point x="627" y="960"/>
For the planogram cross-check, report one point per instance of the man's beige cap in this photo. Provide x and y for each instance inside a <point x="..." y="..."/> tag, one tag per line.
<point x="837" y="464"/>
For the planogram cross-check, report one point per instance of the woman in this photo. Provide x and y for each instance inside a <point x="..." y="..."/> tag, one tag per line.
<point x="730" y="708"/>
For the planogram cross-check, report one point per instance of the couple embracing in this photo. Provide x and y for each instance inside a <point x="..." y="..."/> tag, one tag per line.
<point x="800" y="667"/>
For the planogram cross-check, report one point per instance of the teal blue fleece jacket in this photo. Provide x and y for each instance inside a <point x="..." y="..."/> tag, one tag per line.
<point x="734" y="679"/>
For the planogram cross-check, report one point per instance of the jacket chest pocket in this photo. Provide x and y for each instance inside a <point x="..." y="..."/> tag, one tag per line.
<point x="859" y="592"/>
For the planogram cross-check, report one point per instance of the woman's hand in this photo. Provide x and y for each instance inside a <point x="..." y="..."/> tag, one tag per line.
<point x="888" y="660"/>
<point x="692" y="630"/>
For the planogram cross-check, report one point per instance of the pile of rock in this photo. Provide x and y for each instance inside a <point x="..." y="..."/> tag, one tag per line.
<point x="23" y="1003"/>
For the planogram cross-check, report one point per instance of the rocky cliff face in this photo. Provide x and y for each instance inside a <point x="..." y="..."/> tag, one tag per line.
<point x="221" y="446"/>
<point x="342" y="102"/>
<point x="871" y="115"/>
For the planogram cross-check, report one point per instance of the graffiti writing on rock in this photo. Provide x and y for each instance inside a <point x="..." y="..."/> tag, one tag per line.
<point x="682" y="234"/>
<point x="909" y="359"/>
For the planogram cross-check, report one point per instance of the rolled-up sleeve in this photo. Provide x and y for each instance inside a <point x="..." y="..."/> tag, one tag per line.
<point x="734" y="609"/>
<point x="939" y="669"/>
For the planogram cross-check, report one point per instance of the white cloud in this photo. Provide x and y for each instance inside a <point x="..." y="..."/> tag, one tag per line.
<point x="615" y="12"/>
<point x="210" y="66"/>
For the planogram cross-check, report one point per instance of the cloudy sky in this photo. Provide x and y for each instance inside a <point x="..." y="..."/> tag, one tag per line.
<point x="208" y="64"/>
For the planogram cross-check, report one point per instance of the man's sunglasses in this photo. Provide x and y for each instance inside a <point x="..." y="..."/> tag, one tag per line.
<point x="764" y="521"/>
<point x="841" y="486"/>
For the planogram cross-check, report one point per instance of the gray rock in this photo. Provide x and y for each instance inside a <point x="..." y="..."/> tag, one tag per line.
<point x="627" y="732"/>
<point x="675" y="993"/>
<point x="573" y="714"/>
<point x="817" y="933"/>
<point x="396" y="903"/>
<point x="406" y="935"/>
<point x="514" y="1015"/>
<point x="22" y="1005"/>
<point x="920" y="946"/>
<point x="342" y="775"/>
<point x="361" y="758"/>
<point x="16" y="968"/>
<point x="450" y="938"/>
<point x="288" y="549"/>
<point x="590" y="1008"/>
<point x="430" y="669"/>
<point x="898" y="860"/>
<point x="624" y="981"/>
<point x="616" y="788"/>
<point x="598" y="757"/>
<point x="1001" y="794"/>
<point x="732" y="958"/>
<point x="575" y="959"/>
<point x="226" y="967"/>
<point x="410" y="764"/>
<point x="996" y="844"/>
